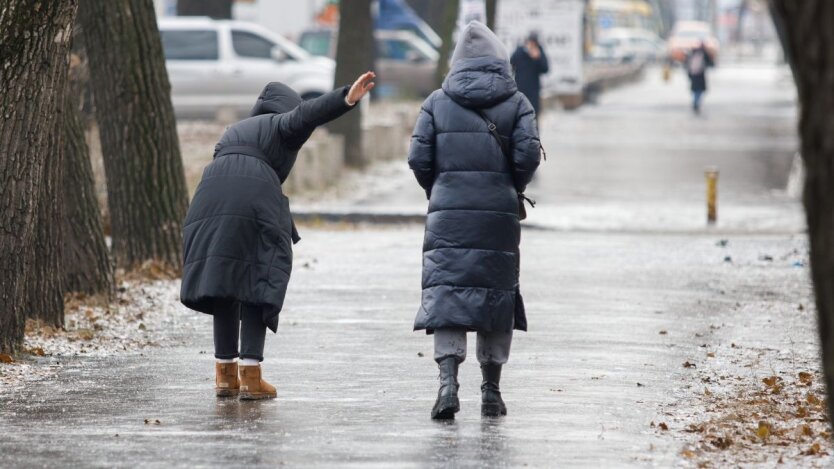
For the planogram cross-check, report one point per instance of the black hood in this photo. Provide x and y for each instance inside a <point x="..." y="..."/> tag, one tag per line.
<point x="276" y="98"/>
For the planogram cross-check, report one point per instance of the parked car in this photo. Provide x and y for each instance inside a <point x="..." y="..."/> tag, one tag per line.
<point x="405" y="63"/>
<point x="628" y="45"/>
<point x="219" y="66"/>
<point x="687" y="35"/>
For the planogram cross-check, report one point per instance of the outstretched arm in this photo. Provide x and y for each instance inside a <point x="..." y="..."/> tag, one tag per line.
<point x="525" y="144"/>
<point x="296" y="126"/>
<point x="422" y="151"/>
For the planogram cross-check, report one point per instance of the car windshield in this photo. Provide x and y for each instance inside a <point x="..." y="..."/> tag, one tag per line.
<point x="316" y="42"/>
<point x="692" y="33"/>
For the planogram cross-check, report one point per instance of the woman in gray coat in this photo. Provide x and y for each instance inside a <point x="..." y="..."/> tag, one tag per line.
<point x="470" y="251"/>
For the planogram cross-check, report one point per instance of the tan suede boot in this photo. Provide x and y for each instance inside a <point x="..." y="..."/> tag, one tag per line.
<point x="226" y="382"/>
<point x="252" y="387"/>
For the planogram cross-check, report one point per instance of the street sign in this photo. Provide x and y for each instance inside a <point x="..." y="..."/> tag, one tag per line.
<point x="559" y="26"/>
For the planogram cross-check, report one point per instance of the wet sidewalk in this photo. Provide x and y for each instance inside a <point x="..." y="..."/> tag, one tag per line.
<point x="355" y="385"/>
<point x="635" y="161"/>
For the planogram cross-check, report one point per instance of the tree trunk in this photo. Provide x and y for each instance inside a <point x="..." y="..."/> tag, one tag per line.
<point x="217" y="9"/>
<point x="811" y="48"/>
<point x="491" y="11"/>
<point x="431" y="11"/>
<point x="44" y="272"/>
<point x="35" y="42"/>
<point x="354" y="56"/>
<point x="87" y="266"/>
<point x="146" y="190"/>
<point x="450" y="19"/>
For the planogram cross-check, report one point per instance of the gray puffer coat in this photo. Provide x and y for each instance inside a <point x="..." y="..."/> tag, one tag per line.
<point x="471" y="245"/>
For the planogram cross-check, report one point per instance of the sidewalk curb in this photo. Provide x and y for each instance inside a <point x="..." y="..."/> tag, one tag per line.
<point x="383" y="219"/>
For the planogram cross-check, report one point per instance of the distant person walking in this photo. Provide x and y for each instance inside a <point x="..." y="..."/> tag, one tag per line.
<point x="697" y="62"/>
<point x="238" y="232"/>
<point x="470" y="250"/>
<point x="529" y="63"/>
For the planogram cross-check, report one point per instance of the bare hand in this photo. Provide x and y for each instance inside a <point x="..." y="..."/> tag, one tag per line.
<point x="361" y="87"/>
<point x="533" y="50"/>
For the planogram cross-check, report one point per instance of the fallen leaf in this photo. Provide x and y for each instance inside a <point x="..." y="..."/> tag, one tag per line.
<point x="687" y="364"/>
<point x="37" y="351"/>
<point x="764" y="430"/>
<point x="771" y="381"/>
<point x="5" y="358"/>
<point x="688" y="454"/>
<point x="710" y="354"/>
<point x="722" y="442"/>
<point x="806" y="430"/>
<point x="663" y="426"/>
<point x="812" y="399"/>
<point x="813" y="450"/>
<point x="805" y="378"/>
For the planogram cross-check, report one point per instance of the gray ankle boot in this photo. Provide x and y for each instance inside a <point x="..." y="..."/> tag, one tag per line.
<point x="447" y="403"/>
<point x="491" y="403"/>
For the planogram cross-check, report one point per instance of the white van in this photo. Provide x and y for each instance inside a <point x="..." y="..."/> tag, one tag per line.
<point x="220" y="66"/>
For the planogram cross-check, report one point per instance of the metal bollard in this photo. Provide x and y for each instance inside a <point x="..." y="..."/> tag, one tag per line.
<point x="711" y="174"/>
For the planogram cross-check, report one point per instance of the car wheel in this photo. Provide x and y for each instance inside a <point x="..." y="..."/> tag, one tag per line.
<point x="311" y="95"/>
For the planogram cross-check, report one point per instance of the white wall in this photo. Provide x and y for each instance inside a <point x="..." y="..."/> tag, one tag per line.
<point x="287" y="17"/>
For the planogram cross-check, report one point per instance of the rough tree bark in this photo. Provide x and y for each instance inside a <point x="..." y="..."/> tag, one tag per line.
<point x="34" y="39"/>
<point x="450" y="19"/>
<point x="217" y="9"/>
<point x="146" y="189"/>
<point x="87" y="266"/>
<point x="810" y="40"/>
<point x="354" y="56"/>
<point x="45" y="266"/>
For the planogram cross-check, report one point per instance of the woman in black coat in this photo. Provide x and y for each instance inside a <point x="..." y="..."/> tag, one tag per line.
<point x="470" y="251"/>
<point x="238" y="232"/>
<point x="697" y="63"/>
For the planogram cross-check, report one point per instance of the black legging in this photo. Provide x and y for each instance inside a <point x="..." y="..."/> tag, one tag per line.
<point x="228" y="316"/>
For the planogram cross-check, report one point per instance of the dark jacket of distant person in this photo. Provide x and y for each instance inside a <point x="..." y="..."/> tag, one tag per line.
<point x="471" y="244"/>
<point x="238" y="232"/>
<point x="697" y="62"/>
<point x="528" y="72"/>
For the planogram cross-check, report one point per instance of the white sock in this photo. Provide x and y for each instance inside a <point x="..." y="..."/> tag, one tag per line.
<point x="249" y="362"/>
<point x="226" y="360"/>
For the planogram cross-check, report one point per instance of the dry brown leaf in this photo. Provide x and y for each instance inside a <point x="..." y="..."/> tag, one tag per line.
<point x="764" y="430"/>
<point x="771" y="381"/>
<point x="806" y="430"/>
<point x="688" y="364"/>
<point x="37" y="351"/>
<point x="688" y="453"/>
<point x="710" y="354"/>
<point x="801" y="412"/>
<point x="663" y="426"/>
<point x="722" y="442"/>
<point x="6" y="358"/>
<point x="812" y="399"/>
<point x="806" y="378"/>
<point x="812" y="450"/>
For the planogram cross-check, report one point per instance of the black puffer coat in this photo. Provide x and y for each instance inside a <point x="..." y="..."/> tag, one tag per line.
<point x="470" y="251"/>
<point x="238" y="232"/>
